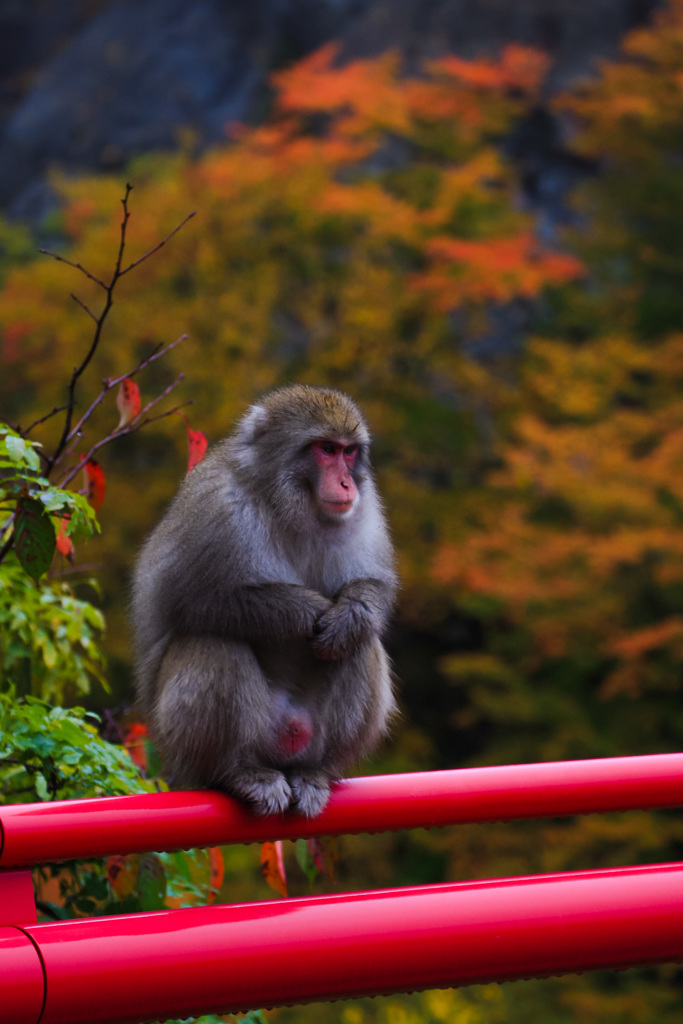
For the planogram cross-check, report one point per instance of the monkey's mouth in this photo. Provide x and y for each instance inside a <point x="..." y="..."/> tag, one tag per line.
<point x="338" y="508"/>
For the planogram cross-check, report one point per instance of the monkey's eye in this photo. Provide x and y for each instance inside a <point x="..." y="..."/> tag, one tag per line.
<point x="328" y="447"/>
<point x="350" y="455"/>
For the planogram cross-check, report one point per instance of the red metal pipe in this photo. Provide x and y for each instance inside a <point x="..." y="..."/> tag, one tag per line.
<point x="17" y="902"/>
<point x="32" y="833"/>
<point x="22" y="984"/>
<point x="233" y="958"/>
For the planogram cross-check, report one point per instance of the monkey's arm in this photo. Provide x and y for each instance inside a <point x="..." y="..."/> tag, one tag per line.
<point x="251" y="612"/>
<point x="360" y="610"/>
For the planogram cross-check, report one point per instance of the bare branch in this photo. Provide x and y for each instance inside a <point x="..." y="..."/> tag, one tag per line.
<point x="107" y="385"/>
<point x="160" y="245"/>
<point x="76" y="266"/>
<point x="130" y="428"/>
<point x="163" y="415"/>
<point x="155" y="401"/>
<point x="156" y="354"/>
<point x="76" y="570"/>
<point x="36" y="423"/>
<point x="99" y="323"/>
<point x="83" y="306"/>
<point x="64" y="445"/>
<point x="122" y="242"/>
<point x="69" y="450"/>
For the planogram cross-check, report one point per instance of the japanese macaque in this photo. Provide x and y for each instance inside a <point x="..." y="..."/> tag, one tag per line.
<point x="259" y="605"/>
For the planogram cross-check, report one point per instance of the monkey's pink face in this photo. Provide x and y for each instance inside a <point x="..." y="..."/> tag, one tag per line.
<point x="336" y="492"/>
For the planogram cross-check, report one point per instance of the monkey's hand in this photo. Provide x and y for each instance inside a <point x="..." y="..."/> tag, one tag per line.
<point x="359" y="611"/>
<point x="273" y="610"/>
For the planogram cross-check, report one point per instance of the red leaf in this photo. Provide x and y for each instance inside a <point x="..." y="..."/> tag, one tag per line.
<point x="217" y="870"/>
<point x="127" y="402"/>
<point x="196" y="445"/>
<point x="95" y="484"/>
<point x="273" y="866"/>
<point x="325" y="854"/>
<point x="122" y="872"/>
<point x="64" y="544"/>
<point x="134" y="742"/>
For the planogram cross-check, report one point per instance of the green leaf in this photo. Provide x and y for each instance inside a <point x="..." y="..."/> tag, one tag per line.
<point x="305" y="861"/>
<point x="151" y="883"/>
<point x="41" y="786"/>
<point x="21" y="453"/>
<point x="36" y="539"/>
<point x="16" y="447"/>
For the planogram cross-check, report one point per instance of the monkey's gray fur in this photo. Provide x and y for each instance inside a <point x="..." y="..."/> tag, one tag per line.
<point x="259" y="615"/>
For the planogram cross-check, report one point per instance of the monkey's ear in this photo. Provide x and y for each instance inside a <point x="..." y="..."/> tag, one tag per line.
<point x="253" y="424"/>
<point x="250" y="428"/>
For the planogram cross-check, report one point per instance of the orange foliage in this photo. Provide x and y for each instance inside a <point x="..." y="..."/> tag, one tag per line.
<point x="519" y="68"/>
<point x="332" y="245"/>
<point x="590" y="496"/>
<point x="367" y="89"/>
<point x="493" y="269"/>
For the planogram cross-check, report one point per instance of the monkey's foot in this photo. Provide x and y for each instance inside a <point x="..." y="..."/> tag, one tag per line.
<point x="310" y="793"/>
<point x="266" y="790"/>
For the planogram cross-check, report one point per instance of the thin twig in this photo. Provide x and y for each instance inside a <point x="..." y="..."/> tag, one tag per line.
<point x="36" y="423"/>
<point x="163" y="415"/>
<point x="70" y="434"/>
<point x="83" y="306"/>
<point x="119" y="271"/>
<point x="136" y="263"/>
<point x="75" y="570"/>
<point x="107" y="385"/>
<point x="42" y="905"/>
<point x="130" y="428"/>
<point x="99" y="323"/>
<point x="76" y="266"/>
<point x="122" y="242"/>
<point x="156" y="354"/>
<point x="155" y="401"/>
<point x="69" y="450"/>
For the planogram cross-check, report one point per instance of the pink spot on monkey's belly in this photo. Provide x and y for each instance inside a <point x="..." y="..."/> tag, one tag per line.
<point x="296" y="736"/>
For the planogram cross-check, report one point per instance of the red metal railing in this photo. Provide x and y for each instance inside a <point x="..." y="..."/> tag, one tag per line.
<point x="35" y="833"/>
<point x="215" y="959"/>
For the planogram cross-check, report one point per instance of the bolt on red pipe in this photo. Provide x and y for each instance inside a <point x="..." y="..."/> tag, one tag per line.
<point x="179" y="963"/>
<point x="33" y="833"/>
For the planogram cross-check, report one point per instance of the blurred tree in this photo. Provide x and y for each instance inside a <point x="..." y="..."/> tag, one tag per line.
<point x="571" y="556"/>
<point x="629" y="119"/>
<point x="569" y="552"/>
<point x="334" y="245"/>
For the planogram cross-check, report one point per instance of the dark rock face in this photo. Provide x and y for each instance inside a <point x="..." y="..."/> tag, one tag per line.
<point x="573" y="32"/>
<point x="90" y="84"/>
<point x="134" y="78"/>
